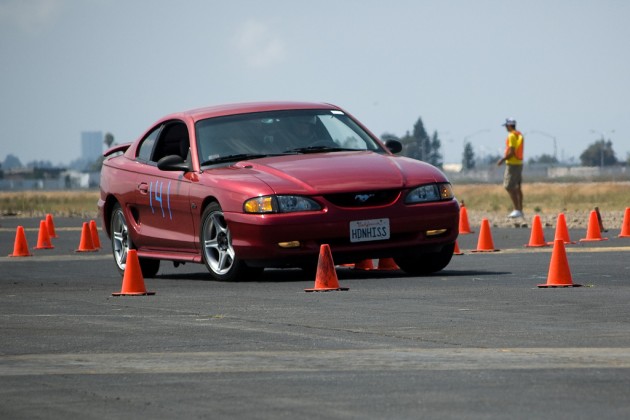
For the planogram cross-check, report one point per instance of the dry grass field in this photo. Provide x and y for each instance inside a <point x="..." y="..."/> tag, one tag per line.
<point x="575" y="200"/>
<point x="58" y="203"/>
<point x="491" y="201"/>
<point x="546" y="197"/>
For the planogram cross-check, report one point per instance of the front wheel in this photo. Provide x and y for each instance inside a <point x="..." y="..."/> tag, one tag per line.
<point x="425" y="264"/>
<point x="216" y="246"/>
<point x="121" y="244"/>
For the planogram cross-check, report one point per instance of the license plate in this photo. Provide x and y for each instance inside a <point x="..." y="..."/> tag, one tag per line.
<point x="369" y="230"/>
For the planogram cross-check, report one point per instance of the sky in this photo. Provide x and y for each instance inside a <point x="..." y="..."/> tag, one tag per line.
<point x="559" y="67"/>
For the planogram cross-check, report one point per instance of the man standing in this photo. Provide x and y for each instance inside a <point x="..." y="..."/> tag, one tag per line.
<point x="513" y="159"/>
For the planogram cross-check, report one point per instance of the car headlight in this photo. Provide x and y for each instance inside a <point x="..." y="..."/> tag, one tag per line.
<point x="280" y="204"/>
<point x="430" y="192"/>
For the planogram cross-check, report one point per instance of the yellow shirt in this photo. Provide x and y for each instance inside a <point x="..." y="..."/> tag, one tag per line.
<point x="515" y="140"/>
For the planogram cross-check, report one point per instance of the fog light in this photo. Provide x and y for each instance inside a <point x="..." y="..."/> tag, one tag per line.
<point x="435" y="232"/>
<point x="291" y="244"/>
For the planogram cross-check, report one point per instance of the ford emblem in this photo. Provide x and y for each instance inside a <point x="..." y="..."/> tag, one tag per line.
<point x="362" y="198"/>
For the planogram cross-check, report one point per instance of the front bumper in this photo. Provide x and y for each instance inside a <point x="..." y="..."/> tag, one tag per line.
<point x="414" y="229"/>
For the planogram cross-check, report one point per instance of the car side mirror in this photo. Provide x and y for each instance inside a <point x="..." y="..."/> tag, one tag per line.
<point x="173" y="163"/>
<point x="394" y="146"/>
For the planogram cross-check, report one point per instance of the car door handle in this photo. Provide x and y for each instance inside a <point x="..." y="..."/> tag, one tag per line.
<point x="143" y="187"/>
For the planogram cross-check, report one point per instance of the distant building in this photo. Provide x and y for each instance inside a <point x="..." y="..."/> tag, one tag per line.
<point x="452" y="167"/>
<point x="91" y="145"/>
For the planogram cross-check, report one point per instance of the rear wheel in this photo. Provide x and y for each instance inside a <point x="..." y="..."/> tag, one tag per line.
<point x="425" y="264"/>
<point x="121" y="244"/>
<point x="216" y="247"/>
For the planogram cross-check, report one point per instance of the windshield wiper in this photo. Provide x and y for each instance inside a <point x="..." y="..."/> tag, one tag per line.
<point x="231" y="158"/>
<point x="318" y="149"/>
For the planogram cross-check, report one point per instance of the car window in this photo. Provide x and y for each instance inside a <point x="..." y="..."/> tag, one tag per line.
<point x="277" y="132"/>
<point x="343" y="131"/>
<point x="146" y="147"/>
<point x="173" y="140"/>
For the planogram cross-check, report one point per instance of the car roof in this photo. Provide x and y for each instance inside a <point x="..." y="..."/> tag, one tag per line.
<point x="248" y="107"/>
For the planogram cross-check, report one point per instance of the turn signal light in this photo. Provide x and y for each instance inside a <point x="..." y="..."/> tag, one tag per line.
<point x="435" y="232"/>
<point x="290" y="244"/>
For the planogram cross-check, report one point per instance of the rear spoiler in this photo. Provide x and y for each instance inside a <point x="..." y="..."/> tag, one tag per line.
<point x="120" y="148"/>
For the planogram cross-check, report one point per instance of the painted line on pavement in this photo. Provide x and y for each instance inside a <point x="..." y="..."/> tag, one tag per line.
<point x="361" y="360"/>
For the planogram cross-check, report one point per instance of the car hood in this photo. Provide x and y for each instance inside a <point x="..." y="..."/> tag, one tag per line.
<point x="329" y="173"/>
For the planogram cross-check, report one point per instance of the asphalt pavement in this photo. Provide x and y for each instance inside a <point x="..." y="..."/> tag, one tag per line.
<point x="477" y="340"/>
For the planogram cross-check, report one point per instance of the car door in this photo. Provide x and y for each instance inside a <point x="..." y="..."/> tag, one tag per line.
<point x="162" y="197"/>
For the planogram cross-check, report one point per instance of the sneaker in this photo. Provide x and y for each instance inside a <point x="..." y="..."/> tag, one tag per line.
<point x="515" y="214"/>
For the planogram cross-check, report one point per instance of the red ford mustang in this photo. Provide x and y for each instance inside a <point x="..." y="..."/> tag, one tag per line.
<point x="248" y="186"/>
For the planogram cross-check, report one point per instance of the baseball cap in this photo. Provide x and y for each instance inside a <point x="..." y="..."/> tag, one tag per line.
<point x="509" y="121"/>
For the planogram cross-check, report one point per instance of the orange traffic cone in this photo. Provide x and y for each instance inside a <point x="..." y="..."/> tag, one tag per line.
<point x="537" y="237"/>
<point x="20" y="247"/>
<point x="625" y="226"/>
<point x="133" y="282"/>
<point x="94" y="232"/>
<point x="457" y="251"/>
<point x="326" y="277"/>
<point x="559" y="272"/>
<point x="561" y="231"/>
<point x="43" y="239"/>
<point x="86" y="244"/>
<point x="593" y="233"/>
<point x="464" y="225"/>
<point x="387" y="264"/>
<point x="485" y="242"/>
<point x="599" y="220"/>
<point x="51" y="226"/>
<point x="364" y="265"/>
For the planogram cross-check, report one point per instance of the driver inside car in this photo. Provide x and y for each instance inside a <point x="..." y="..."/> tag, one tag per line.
<point x="305" y="130"/>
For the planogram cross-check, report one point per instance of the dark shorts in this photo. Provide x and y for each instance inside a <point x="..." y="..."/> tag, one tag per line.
<point x="513" y="177"/>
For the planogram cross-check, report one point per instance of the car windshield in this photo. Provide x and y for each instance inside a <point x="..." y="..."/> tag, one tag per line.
<point x="255" y="135"/>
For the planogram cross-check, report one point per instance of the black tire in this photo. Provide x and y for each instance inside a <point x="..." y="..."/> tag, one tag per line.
<point x="310" y="269"/>
<point x="216" y="247"/>
<point x="149" y="267"/>
<point x="121" y="244"/>
<point x="425" y="264"/>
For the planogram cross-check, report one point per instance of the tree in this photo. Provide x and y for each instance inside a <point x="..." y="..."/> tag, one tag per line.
<point x="434" y="155"/>
<point x="108" y="140"/>
<point x="40" y="164"/>
<point x="389" y="136"/>
<point x="490" y="160"/>
<point x="543" y="159"/>
<point x="599" y="153"/>
<point x="12" y="162"/>
<point x="410" y="147"/>
<point x="418" y="145"/>
<point x="422" y="140"/>
<point x="468" y="158"/>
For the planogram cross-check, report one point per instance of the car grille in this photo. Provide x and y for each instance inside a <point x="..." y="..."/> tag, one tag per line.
<point x="363" y="198"/>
